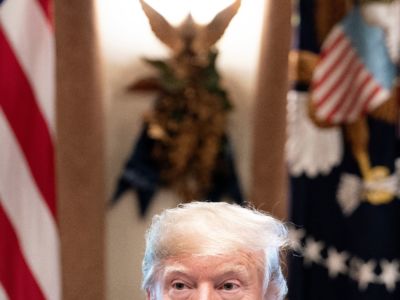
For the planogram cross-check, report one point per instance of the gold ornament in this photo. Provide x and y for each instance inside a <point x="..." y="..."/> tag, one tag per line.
<point x="188" y="121"/>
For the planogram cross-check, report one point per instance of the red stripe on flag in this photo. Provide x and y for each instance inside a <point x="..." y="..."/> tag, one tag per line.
<point x="336" y="84"/>
<point x="332" y="67"/>
<point x="335" y="43"/>
<point x="21" y="110"/>
<point x="370" y="98"/>
<point x="356" y="95"/>
<point x="350" y="71"/>
<point x="15" y="275"/>
<point x="348" y="102"/>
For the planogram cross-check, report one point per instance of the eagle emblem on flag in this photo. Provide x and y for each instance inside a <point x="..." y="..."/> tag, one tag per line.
<point x="355" y="76"/>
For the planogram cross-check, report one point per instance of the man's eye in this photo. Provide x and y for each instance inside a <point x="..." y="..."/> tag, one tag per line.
<point x="229" y="286"/>
<point x="179" y="285"/>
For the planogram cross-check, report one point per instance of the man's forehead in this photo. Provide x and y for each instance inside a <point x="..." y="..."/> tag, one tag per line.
<point x="238" y="263"/>
<point x="180" y="267"/>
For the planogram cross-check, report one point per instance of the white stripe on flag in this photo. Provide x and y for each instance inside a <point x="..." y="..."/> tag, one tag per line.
<point x="346" y="103"/>
<point x="361" y="77"/>
<point x="335" y="76"/>
<point x="341" y="84"/>
<point x="31" y="38"/>
<point x="3" y="295"/>
<point x="330" y="59"/>
<point x="335" y="34"/>
<point x="361" y="99"/>
<point x="29" y="215"/>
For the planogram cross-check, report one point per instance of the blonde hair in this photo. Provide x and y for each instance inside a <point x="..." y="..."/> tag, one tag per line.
<point x="211" y="229"/>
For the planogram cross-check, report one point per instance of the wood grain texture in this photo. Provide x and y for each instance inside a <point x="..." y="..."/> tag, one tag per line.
<point x="80" y="170"/>
<point x="269" y="184"/>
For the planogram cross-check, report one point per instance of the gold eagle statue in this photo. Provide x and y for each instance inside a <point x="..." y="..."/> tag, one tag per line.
<point x="188" y="120"/>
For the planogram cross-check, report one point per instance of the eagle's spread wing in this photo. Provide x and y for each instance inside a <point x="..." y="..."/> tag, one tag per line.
<point x="211" y="33"/>
<point x="161" y="28"/>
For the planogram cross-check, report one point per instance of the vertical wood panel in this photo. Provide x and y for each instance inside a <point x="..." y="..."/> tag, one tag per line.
<point x="269" y="184"/>
<point x="80" y="163"/>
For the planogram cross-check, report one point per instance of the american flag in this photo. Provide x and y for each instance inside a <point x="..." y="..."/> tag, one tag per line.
<point x="29" y="241"/>
<point x="354" y="74"/>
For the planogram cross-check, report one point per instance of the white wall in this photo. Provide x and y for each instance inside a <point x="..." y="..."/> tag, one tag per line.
<point x="125" y="39"/>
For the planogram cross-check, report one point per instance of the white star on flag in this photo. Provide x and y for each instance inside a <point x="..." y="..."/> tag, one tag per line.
<point x="336" y="262"/>
<point x="312" y="251"/>
<point x="363" y="273"/>
<point x="390" y="274"/>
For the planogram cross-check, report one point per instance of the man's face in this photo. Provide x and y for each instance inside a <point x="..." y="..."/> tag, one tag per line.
<point x="229" y="277"/>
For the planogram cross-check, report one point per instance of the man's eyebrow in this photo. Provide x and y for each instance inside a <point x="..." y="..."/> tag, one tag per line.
<point x="177" y="269"/>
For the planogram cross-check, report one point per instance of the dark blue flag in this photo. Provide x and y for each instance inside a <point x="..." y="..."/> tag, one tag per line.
<point x="142" y="174"/>
<point x="344" y="170"/>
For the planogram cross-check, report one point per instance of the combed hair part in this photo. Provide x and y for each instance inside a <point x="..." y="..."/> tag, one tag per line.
<point x="214" y="229"/>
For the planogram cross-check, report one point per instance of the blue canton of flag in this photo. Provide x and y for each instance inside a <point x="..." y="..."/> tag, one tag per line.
<point x="354" y="74"/>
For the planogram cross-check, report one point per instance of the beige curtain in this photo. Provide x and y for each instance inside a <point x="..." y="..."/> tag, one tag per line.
<point x="269" y="186"/>
<point x="80" y="163"/>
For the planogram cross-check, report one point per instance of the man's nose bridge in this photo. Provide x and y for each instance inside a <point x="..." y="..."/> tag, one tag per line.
<point x="207" y="292"/>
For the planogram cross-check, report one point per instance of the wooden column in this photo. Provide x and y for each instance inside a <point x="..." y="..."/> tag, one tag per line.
<point x="80" y="166"/>
<point x="269" y="184"/>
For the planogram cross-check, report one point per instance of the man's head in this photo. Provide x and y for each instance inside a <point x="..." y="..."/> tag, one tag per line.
<point x="204" y="250"/>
